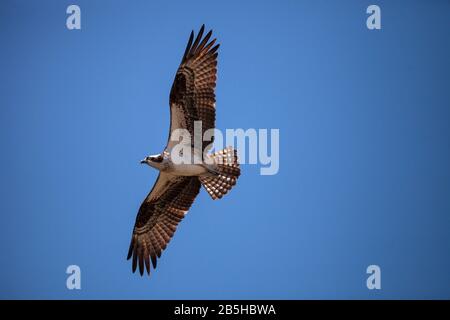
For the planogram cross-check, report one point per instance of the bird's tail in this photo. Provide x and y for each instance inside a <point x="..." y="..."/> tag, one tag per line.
<point x="223" y="173"/>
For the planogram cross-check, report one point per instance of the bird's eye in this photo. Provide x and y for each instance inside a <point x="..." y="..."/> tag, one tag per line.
<point x="157" y="159"/>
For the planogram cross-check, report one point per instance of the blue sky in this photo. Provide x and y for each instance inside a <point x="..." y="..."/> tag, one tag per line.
<point x="364" y="149"/>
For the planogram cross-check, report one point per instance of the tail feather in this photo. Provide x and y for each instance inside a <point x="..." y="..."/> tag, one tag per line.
<point x="224" y="173"/>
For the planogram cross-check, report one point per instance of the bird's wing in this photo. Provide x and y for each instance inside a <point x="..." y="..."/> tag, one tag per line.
<point x="192" y="96"/>
<point x="158" y="217"/>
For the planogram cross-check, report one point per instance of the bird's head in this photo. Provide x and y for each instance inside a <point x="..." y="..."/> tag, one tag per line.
<point x="156" y="161"/>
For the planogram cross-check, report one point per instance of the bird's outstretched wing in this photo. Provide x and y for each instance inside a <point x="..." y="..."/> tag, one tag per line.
<point x="158" y="217"/>
<point x="192" y="96"/>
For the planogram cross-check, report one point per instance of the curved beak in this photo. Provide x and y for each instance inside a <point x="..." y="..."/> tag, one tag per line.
<point x="143" y="161"/>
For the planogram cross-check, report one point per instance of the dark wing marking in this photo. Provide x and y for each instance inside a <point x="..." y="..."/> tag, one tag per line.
<point x="192" y="96"/>
<point x="158" y="217"/>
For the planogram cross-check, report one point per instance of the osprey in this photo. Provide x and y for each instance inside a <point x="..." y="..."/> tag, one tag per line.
<point x="192" y="101"/>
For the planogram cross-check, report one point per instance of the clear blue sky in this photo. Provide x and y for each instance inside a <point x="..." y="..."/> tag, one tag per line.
<point x="364" y="125"/>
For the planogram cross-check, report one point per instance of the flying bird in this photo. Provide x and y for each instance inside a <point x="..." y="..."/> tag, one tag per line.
<point x="192" y="99"/>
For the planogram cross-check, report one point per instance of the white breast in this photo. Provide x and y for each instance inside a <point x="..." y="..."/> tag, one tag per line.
<point x="187" y="169"/>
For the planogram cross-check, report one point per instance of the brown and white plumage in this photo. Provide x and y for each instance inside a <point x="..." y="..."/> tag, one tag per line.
<point x="192" y="98"/>
<point x="158" y="218"/>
